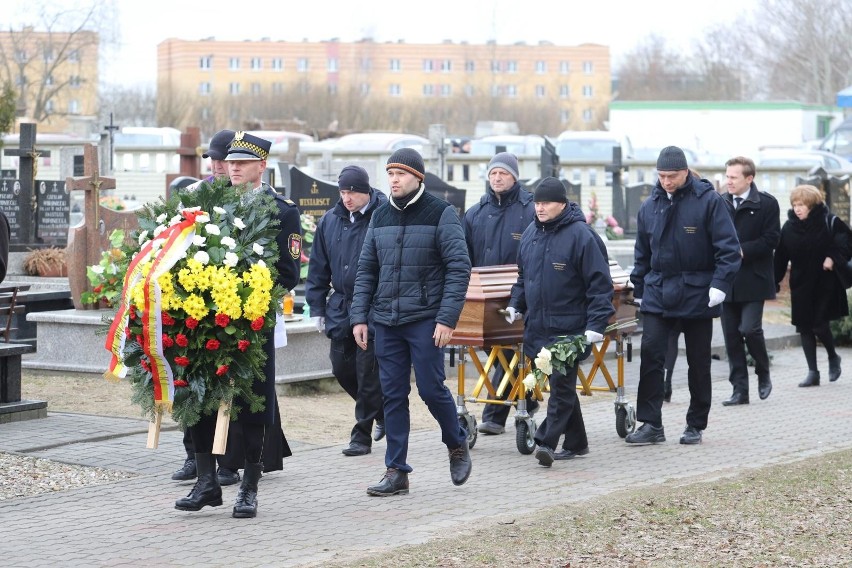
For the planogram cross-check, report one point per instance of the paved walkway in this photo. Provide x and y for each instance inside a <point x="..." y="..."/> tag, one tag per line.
<point x="317" y="508"/>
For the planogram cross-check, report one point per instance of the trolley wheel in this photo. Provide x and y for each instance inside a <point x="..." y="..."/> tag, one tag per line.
<point x="468" y="422"/>
<point x="524" y="437"/>
<point x="625" y="420"/>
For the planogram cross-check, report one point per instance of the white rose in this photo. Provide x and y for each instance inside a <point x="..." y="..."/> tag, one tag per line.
<point x="97" y="269"/>
<point x="199" y="241"/>
<point x="230" y="259"/>
<point x="212" y="228"/>
<point x="257" y="248"/>
<point x="175" y="220"/>
<point x="143" y="236"/>
<point x="261" y="263"/>
<point x="238" y="223"/>
<point x="161" y="217"/>
<point x="530" y="382"/>
<point x="229" y="242"/>
<point x="202" y="257"/>
<point x="219" y="210"/>
<point x="202" y="218"/>
<point x="544" y="354"/>
<point x="159" y="229"/>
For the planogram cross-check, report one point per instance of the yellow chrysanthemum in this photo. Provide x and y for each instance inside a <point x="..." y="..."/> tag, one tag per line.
<point x="195" y="307"/>
<point x="225" y="288"/>
<point x="169" y="299"/>
<point x="259" y="280"/>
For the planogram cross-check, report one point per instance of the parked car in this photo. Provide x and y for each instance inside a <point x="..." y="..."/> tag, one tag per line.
<point x="375" y="142"/>
<point x="839" y="140"/>
<point x="807" y="159"/>
<point x="592" y="145"/>
<point x="517" y="145"/>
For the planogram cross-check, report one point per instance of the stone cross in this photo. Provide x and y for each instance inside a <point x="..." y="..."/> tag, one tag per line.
<point x="27" y="172"/>
<point x="190" y="156"/>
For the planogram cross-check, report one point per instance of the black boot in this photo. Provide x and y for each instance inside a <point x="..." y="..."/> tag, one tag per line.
<point x="186" y="472"/>
<point x="812" y="380"/>
<point x="667" y="387"/>
<point x="245" y="507"/>
<point x="833" y="368"/>
<point x="206" y="491"/>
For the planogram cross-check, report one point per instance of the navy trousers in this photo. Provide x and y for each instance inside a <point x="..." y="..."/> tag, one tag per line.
<point x="357" y="371"/>
<point x="397" y="349"/>
<point x="563" y="414"/>
<point x="743" y="321"/>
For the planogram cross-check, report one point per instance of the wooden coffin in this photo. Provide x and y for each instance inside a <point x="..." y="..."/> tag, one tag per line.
<point x="480" y="323"/>
<point x="622" y="297"/>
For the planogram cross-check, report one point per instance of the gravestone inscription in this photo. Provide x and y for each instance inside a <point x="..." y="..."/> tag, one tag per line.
<point x="10" y="191"/>
<point x="53" y="212"/>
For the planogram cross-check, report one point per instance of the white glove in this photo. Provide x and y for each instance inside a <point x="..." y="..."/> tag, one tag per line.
<point x="716" y="297"/>
<point x="512" y="315"/>
<point x="638" y="301"/>
<point x="319" y="322"/>
<point x="593" y="336"/>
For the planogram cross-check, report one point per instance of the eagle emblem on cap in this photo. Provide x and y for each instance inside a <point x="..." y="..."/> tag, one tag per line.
<point x="239" y="135"/>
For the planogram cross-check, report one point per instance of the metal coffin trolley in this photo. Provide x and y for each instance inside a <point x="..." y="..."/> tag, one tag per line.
<point x="482" y="330"/>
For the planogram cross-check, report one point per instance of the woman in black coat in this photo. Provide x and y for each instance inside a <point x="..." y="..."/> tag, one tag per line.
<point x="813" y="249"/>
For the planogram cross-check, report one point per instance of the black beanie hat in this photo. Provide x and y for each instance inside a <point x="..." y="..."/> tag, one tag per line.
<point x="671" y="159"/>
<point x="354" y="178"/>
<point x="219" y="145"/>
<point x="409" y="160"/>
<point x="550" y="189"/>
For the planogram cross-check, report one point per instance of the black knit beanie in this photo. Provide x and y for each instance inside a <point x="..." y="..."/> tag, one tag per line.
<point x="671" y="159"/>
<point x="550" y="189"/>
<point x="409" y="160"/>
<point x="354" y="178"/>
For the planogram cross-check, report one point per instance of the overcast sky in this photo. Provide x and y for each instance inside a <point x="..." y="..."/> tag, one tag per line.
<point x="618" y="23"/>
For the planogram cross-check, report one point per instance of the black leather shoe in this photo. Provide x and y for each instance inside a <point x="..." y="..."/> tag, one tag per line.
<point x="227" y="476"/>
<point x="570" y="454"/>
<point x="379" y="431"/>
<point x="737" y="398"/>
<point x="491" y="428"/>
<point x="812" y="380"/>
<point x="460" y="464"/>
<point x="394" y="482"/>
<point x="356" y="449"/>
<point x="764" y="387"/>
<point x="647" y="434"/>
<point x="833" y="368"/>
<point x="545" y="456"/>
<point x="206" y="492"/>
<point x="245" y="506"/>
<point x="186" y="472"/>
<point x="691" y="435"/>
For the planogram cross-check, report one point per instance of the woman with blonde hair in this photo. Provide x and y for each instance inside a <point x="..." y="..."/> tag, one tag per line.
<point x="813" y="241"/>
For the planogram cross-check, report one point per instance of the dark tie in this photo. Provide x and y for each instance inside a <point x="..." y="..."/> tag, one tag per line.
<point x="737" y="202"/>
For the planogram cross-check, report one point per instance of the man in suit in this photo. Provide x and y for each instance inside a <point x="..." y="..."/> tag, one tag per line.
<point x="757" y="220"/>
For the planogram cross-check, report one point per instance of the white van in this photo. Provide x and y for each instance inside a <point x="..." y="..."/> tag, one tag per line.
<point x="591" y="146"/>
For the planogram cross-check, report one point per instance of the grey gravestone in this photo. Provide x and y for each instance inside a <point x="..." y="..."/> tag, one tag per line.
<point x="634" y="196"/>
<point x="53" y="212"/>
<point x="10" y="190"/>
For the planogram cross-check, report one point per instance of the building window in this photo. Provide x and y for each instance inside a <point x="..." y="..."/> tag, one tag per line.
<point x="277" y="64"/>
<point x="366" y="64"/>
<point x="428" y="90"/>
<point x="332" y="89"/>
<point x="539" y="91"/>
<point x="365" y="89"/>
<point x="302" y="65"/>
<point x="495" y="66"/>
<point x="469" y="91"/>
<point x="205" y="62"/>
<point x="73" y="106"/>
<point x="21" y="55"/>
<point x="332" y="65"/>
<point x="446" y="65"/>
<point x="205" y="113"/>
<point x="395" y="90"/>
<point x="446" y="90"/>
<point x="234" y="88"/>
<point x="588" y="115"/>
<point x="565" y="116"/>
<point x="541" y="67"/>
<point x="255" y="89"/>
<point x="511" y="67"/>
<point x="74" y="81"/>
<point x="204" y="88"/>
<point x="277" y="88"/>
<point x="49" y="80"/>
<point x="48" y="55"/>
<point x="588" y="67"/>
<point x="427" y="65"/>
<point x="48" y="106"/>
<point x="564" y="91"/>
<point x="394" y="65"/>
<point x="255" y="64"/>
<point x="511" y="91"/>
<point x="588" y="92"/>
<point x="564" y="67"/>
<point x="496" y="90"/>
<point x="74" y="55"/>
<point x="234" y="64"/>
<point x="470" y="66"/>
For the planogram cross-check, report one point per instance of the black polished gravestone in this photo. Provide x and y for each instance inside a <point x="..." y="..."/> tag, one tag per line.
<point x="53" y="213"/>
<point x="23" y="189"/>
<point x="313" y="196"/>
<point x="634" y="195"/>
<point x="8" y="174"/>
<point x="836" y="190"/>
<point x="439" y="188"/>
<point x="10" y="193"/>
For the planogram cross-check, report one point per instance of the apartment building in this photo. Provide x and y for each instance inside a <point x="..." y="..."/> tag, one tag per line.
<point x="55" y="77"/>
<point x="575" y="80"/>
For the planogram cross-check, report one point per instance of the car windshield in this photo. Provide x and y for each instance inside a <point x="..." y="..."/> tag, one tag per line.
<point x="585" y="149"/>
<point x="489" y="148"/>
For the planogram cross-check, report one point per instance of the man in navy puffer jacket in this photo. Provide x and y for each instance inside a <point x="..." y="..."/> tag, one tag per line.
<point x="413" y="274"/>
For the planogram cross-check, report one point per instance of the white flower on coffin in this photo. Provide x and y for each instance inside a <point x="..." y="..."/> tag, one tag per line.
<point x="219" y="210"/>
<point x="542" y="361"/>
<point x="212" y="228"/>
<point x="238" y="223"/>
<point x="530" y="382"/>
<point x="230" y="259"/>
<point x="257" y="249"/>
<point x="202" y="257"/>
<point x="198" y="240"/>
<point x="229" y="242"/>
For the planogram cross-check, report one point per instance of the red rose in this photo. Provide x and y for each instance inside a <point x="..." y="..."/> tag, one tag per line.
<point x="167" y="341"/>
<point x="222" y="320"/>
<point x="212" y="344"/>
<point x="181" y="340"/>
<point x="243" y="344"/>
<point x="167" y="319"/>
<point x="98" y="289"/>
<point x="181" y="383"/>
<point x="222" y="370"/>
<point x="191" y="323"/>
<point x="182" y="361"/>
<point x="257" y="324"/>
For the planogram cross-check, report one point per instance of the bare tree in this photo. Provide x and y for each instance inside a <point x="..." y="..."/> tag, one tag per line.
<point x="651" y="71"/>
<point x="133" y="106"/>
<point x="7" y="110"/>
